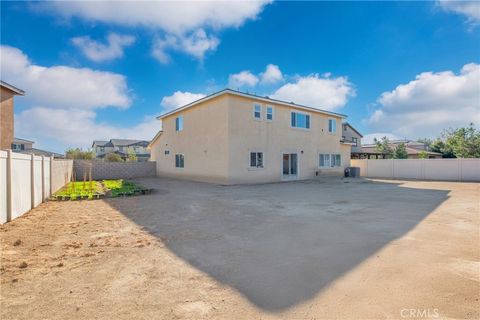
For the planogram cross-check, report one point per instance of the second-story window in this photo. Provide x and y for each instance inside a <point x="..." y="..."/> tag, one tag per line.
<point x="179" y="123"/>
<point x="300" y="120"/>
<point x="332" y="126"/>
<point x="355" y="141"/>
<point x="257" y="111"/>
<point x="269" y="113"/>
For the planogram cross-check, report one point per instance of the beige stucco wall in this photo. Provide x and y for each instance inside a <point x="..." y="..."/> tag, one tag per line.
<point x="219" y="135"/>
<point x="203" y="141"/>
<point x="274" y="138"/>
<point x="6" y="118"/>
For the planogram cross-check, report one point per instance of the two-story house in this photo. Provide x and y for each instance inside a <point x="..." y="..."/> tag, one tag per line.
<point x="350" y="134"/>
<point x="122" y="147"/>
<point x="231" y="137"/>
<point x="7" y="92"/>
<point x="26" y="146"/>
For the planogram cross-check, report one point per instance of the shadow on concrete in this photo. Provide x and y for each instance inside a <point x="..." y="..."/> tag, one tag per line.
<point x="278" y="244"/>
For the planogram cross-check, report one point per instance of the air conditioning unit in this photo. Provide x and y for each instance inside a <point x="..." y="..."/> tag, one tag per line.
<point x="353" y="172"/>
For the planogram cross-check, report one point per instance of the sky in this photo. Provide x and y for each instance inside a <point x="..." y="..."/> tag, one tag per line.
<point x="102" y="70"/>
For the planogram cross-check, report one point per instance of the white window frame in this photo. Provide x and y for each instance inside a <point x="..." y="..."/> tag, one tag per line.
<point x="332" y="161"/>
<point x="272" y="113"/>
<point x="256" y="159"/>
<point x="179" y="154"/>
<point x="179" y="127"/>
<point x="334" y="127"/>
<point x="254" y="111"/>
<point x="324" y="162"/>
<point x="300" y="112"/>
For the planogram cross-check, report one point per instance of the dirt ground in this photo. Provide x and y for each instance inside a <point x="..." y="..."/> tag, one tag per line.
<point x="332" y="248"/>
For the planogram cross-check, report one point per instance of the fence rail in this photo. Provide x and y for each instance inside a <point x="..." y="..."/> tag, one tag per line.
<point x="28" y="180"/>
<point x="421" y="169"/>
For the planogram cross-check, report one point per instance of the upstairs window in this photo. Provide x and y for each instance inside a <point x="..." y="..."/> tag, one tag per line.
<point x="179" y="123"/>
<point x="332" y="126"/>
<point x="179" y="161"/>
<point x="257" y="111"/>
<point x="18" y="146"/>
<point x="256" y="159"/>
<point x="355" y="141"/>
<point x="300" y="120"/>
<point x="269" y="113"/>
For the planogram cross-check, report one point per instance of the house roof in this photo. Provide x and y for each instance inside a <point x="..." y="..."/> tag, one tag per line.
<point x="249" y="95"/>
<point x="119" y="142"/>
<point x="40" y="152"/>
<point x="12" y="88"/>
<point x="159" y="133"/>
<point x="19" y="140"/>
<point x="349" y="125"/>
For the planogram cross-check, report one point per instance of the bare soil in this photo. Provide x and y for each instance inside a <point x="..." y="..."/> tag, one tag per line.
<point x="350" y="249"/>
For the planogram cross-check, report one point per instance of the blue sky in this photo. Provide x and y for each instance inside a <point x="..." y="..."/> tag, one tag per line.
<point x="102" y="70"/>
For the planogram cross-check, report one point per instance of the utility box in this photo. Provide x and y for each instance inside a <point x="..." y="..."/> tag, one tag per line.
<point x="353" y="172"/>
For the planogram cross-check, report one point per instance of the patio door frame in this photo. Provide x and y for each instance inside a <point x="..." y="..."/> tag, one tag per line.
<point x="288" y="177"/>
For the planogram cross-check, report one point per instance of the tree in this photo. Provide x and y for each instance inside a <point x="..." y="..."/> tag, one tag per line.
<point x="113" y="157"/>
<point x="463" y="142"/>
<point x="423" y="155"/>
<point x="132" y="157"/>
<point x="400" y="151"/>
<point x="427" y="142"/>
<point x="383" y="147"/>
<point x="77" y="153"/>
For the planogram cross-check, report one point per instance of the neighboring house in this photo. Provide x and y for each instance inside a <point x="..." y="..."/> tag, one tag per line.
<point x="414" y="149"/>
<point x="231" y="137"/>
<point x="350" y="134"/>
<point x="26" y="146"/>
<point x="122" y="147"/>
<point x="7" y="92"/>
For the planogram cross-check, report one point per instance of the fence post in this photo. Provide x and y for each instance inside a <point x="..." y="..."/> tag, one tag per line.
<point x="43" y="178"/>
<point x="393" y="168"/>
<point x="51" y="175"/>
<point x="32" y="180"/>
<point x="9" y="186"/>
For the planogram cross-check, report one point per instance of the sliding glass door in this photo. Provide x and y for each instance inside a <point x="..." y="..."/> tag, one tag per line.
<point x="290" y="165"/>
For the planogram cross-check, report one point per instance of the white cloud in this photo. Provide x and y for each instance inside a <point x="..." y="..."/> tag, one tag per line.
<point x="98" y="52"/>
<point x="271" y="75"/>
<point x="432" y="102"/>
<point x="62" y="86"/>
<point x="195" y="44"/>
<point x="58" y="129"/>
<point x="179" y="99"/>
<point x="318" y="92"/>
<point x="241" y="79"/>
<point x="63" y="101"/>
<point x="183" y="23"/>
<point x="175" y="17"/>
<point x="470" y="9"/>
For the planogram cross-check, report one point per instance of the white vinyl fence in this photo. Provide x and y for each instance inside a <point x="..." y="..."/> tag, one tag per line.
<point x="27" y="180"/>
<point x="422" y="169"/>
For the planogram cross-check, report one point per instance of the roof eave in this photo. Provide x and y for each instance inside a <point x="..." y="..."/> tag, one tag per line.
<point x="14" y="89"/>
